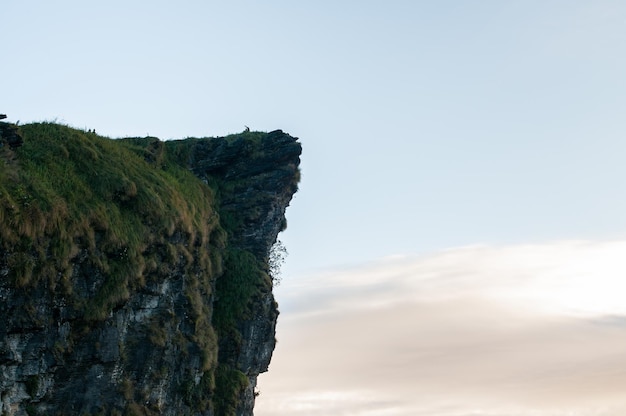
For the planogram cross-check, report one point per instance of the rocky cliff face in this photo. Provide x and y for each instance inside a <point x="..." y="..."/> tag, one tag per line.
<point x="138" y="288"/>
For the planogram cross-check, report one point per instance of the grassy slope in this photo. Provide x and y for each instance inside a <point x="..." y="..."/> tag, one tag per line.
<point x="68" y="190"/>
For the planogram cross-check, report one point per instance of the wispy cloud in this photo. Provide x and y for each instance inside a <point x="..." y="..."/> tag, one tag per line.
<point x="520" y="330"/>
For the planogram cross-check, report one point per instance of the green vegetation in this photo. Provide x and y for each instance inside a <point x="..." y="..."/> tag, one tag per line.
<point x="67" y="191"/>
<point x="230" y="383"/>
<point x="242" y="279"/>
<point x="198" y="396"/>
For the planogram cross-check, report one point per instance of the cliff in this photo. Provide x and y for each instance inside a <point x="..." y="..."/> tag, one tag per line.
<point x="134" y="274"/>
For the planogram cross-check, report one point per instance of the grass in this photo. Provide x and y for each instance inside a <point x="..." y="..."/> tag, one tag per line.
<point x="230" y="383"/>
<point x="242" y="279"/>
<point x="67" y="191"/>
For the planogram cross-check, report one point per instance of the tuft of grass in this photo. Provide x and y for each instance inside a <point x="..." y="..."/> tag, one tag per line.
<point x="230" y="384"/>
<point x="242" y="279"/>
<point x="199" y="395"/>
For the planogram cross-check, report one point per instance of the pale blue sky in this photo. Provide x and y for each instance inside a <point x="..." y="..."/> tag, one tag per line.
<point x="426" y="125"/>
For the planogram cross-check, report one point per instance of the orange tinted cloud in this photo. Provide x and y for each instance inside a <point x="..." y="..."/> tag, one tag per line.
<point x="472" y="331"/>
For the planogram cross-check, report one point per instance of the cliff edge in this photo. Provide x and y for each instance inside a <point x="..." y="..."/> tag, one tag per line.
<point x="134" y="275"/>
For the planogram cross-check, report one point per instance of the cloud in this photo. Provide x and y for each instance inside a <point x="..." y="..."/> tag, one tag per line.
<point x="519" y="330"/>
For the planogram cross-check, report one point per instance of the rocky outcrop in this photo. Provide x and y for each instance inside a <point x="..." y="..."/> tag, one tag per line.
<point x="259" y="176"/>
<point x="54" y="363"/>
<point x="98" y="329"/>
<point x="254" y="180"/>
<point x="10" y="135"/>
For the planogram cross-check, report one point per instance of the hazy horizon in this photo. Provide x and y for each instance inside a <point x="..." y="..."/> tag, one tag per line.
<point x="506" y="331"/>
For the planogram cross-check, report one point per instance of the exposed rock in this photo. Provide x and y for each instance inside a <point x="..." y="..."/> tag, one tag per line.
<point x="10" y="135"/>
<point x="263" y="184"/>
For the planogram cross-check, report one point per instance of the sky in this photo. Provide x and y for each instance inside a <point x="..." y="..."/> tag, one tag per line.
<point x="455" y="246"/>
